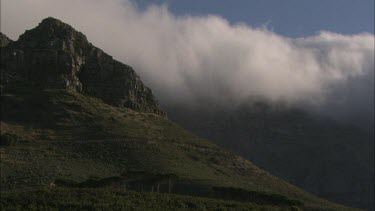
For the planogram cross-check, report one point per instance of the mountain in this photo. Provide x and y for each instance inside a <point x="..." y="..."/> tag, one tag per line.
<point x="54" y="55"/>
<point x="331" y="159"/>
<point x="80" y="130"/>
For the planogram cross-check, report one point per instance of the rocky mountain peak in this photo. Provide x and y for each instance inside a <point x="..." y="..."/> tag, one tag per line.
<point x="52" y="33"/>
<point x="56" y="56"/>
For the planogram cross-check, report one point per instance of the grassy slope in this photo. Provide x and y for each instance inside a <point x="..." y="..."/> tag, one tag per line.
<point x="68" y="135"/>
<point x="102" y="199"/>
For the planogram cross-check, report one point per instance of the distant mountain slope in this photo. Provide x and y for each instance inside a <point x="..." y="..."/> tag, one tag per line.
<point x="330" y="159"/>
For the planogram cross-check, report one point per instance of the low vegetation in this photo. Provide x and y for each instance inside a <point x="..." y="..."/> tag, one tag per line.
<point x="87" y="150"/>
<point x="104" y="199"/>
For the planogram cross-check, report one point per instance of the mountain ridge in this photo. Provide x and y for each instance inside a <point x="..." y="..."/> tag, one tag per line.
<point x="55" y="55"/>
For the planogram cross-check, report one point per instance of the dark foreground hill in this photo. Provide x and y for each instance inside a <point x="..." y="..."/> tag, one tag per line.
<point x="69" y="143"/>
<point x="321" y="155"/>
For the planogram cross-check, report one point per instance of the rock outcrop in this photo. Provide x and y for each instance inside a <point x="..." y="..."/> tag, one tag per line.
<point x="4" y="40"/>
<point x="56" y="56"/>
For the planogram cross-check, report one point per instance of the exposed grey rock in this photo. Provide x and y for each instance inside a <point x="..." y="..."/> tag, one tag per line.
<point x="54" y="55"/>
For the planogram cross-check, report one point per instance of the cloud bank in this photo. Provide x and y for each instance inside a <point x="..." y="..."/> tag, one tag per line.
<point x="206" y="60"/>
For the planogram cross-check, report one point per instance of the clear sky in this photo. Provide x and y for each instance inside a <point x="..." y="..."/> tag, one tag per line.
<point x="293" y="18"/>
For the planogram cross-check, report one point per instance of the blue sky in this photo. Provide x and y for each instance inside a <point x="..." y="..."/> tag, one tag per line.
<point x="294" y="18"/>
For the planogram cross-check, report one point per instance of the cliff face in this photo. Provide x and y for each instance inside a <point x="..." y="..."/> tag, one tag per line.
<point x="55" y="56"/>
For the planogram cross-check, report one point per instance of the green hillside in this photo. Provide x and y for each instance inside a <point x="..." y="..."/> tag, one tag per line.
<point x="55" y="138"/>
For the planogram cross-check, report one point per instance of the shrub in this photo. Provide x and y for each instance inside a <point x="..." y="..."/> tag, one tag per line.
<point x="8" y="139"/>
